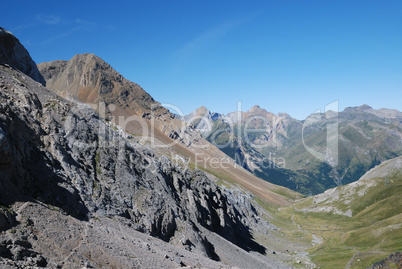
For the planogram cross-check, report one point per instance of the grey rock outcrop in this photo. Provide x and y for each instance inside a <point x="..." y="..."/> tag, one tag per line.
<point x="66" y="156"/>
<point x="76" y="191"/>
<point x="15" y="55"/>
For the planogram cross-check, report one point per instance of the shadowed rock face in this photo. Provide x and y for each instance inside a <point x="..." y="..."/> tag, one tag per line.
<point x="64" y="155"/>
<point x="15" y="55"/>
<point x="71" y="182"/>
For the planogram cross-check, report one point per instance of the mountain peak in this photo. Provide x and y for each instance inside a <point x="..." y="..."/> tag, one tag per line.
<point x="202" y="110"/>
<point x="257" y="110"/>
<point x="87" y="56"/>
<point x="91" y="79"/>
<point x="284" y="115"/>
<point x="13" y="53"/>
<point x="364" y="107"/>
<point x="359" y="108"/>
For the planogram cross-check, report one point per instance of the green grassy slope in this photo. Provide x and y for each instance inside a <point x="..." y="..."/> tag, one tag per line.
<point x="371" y="233"/>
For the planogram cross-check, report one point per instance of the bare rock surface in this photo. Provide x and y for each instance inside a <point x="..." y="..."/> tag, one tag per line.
<point x="104" y="243"/>
<point x="73" y="171"/>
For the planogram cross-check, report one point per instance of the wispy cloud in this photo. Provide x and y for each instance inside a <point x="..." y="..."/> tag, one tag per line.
<point x="49" y="19"/>
<point x="80" y="25"/>
<point x="84" y="22"/>
<point x="206" y="38"/>
<point x="62" y="35"/>
<point x="24" y="26"/>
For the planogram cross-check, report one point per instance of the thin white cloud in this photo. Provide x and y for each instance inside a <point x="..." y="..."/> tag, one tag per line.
<point x="80" y="25"/>
<point x="206" y="38"/>
<point x="62" y="35"/>
<point x="48" y="19"/>
<point x="24" y="26"/>
<point x="84" y="22"/>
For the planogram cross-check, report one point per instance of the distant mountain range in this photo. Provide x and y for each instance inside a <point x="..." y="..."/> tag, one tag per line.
<point x="298" y="154"/>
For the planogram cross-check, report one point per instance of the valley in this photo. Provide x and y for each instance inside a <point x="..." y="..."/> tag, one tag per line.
<point x="95" y="173"/>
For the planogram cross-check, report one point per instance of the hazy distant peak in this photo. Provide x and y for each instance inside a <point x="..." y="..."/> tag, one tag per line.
<point x="254" y="108"/>
<point x="202" y="110"/>
<point x="382" y="112"/>
<point x="362" y="108"/>
<point x="284" y="115"/>
<point x="257" y="110"/>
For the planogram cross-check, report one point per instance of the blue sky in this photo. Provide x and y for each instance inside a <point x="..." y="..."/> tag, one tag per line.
<point x="286" y="56"/>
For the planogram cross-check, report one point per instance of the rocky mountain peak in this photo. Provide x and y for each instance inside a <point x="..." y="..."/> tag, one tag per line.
<point x="254" y="108"/>
<point x="365" y="107"/>
<point x="92" y="80"/>
<point x="13" y="53"/>
<point x="284" y="116"/>
<point x="258" y="110"/>
<point x="362" y="108"/>
<point x="201" y="111"/>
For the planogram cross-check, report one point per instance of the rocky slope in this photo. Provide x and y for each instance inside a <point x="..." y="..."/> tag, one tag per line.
<point x="62" y="155"/>
<point x="76" y="190"/>
<point x="93" y="81"/>
<point x="278" y="148"/>
<point x="89" y="79"/>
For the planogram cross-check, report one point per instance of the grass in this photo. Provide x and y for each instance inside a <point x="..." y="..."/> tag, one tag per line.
<point x="97" y="163"/>
<point x="285" y="192"/>
<point x="371" y="234"/>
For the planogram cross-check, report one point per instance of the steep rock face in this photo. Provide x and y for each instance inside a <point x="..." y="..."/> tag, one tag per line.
<point x="88" y="78"/>
<point x="64" y="155"/>
<point x="14" y="54"/>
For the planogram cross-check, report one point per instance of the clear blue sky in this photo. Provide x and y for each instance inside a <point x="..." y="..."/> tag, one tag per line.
<point x="286" y="56"/>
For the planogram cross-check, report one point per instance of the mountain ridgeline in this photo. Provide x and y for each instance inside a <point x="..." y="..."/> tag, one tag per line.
<point x="87" y="78"/>
<point x="95" y="173"/>
<point x="61" y="160"/>
<point x="302" y="155"/>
